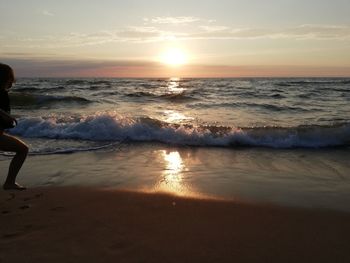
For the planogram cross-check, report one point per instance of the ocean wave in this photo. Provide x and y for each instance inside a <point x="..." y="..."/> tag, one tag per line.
<point x="26" y="100"/>
<point x="67" y="150"/>
<point x="113" y="127"/>
<point x="277" y="108"/>
<point x="277" y="96"/>
<point x="76" y="81"/>
<point x="24" y="88"/>
<point x="100" y="82"/>
<point x="27" y="88"/>
<point x="314" y="82"/>
<point x="140" y="94"/>
<point x="167" y="96"/>
<point x="262" y="106"/>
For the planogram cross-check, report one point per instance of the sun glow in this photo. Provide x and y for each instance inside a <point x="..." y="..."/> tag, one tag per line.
<point x="174" y="57"/>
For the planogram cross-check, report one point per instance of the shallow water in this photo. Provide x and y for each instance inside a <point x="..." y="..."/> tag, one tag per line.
<point x="303" y="178"/>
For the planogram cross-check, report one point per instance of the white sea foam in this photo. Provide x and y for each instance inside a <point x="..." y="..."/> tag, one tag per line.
<point x="113" y="127"/>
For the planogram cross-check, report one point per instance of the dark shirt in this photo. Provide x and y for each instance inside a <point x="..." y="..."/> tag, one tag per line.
<point x="5" y="106"/>
<point x="5" y="101"/>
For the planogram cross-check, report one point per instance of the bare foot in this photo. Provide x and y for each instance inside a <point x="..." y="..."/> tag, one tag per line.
<point x="14" y="186"/>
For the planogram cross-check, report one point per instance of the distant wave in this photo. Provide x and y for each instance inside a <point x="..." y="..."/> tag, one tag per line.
<point x="27" y="100"/>
<point x="263" y="106"/>
<point x="140" y="94"/>
<point x="76" y="81"/>
<point x="28" y="88"/>
<point x="112" y="127"/>
<point x="314" y="82"/>
<point x="100" y="82"/>
<point x="167" y="96"/>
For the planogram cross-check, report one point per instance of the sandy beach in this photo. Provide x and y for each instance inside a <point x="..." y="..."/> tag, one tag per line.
<point x="85" y="224"/>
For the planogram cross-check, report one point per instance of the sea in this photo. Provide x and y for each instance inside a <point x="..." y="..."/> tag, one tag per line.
<point x="261" y="139"/>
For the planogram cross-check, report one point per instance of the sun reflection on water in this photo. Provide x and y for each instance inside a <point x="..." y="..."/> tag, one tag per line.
<point x="172" y="177"/>
<point x="175" y="116"/>
<point x="173" y="86"/>
<point x="174" y="92"/>
<point x="173" y="161"/>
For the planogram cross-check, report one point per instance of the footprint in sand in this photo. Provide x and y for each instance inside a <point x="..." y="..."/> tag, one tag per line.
<point x="23" y="207"/>
<point x="22" y="231"/>
<point x="39" y="195"/>
<point x="57" y="208"/>
<point x="118" y="245"/>
<point x="33" y="197"/>
<point x="12" y="235"/>
<point x="12" y="196"/>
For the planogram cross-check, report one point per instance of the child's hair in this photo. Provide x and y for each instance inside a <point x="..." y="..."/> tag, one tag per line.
<point x="6" y="74"/>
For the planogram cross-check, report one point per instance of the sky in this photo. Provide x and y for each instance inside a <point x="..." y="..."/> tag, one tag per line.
<point x="177" y="38"/>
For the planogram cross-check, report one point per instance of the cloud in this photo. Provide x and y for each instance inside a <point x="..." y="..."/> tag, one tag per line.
<point x="213" y="28"/>
<point x="318" y="31"/>
<point x="132" y="34"/>
<point x="148" y="34"/>
<point x="172" y="20"/>
<point x="137" y="34"/>
<point x="47" y="13"/>
<point x="229" y="33"/>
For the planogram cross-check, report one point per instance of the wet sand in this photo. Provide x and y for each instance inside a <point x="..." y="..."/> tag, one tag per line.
<point x="85" y="224"/>
<point x="302" y="178"/>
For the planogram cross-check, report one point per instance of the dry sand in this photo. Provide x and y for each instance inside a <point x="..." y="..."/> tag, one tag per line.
<point x="74" y="224"/>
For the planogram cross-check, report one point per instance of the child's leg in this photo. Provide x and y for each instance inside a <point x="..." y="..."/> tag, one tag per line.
<point x="12" y="144"/>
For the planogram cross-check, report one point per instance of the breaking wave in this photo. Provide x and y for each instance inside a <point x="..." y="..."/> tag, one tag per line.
<point x="113" y="127"/>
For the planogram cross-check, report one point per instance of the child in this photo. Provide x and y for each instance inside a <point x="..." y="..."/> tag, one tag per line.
<point x="10" y="143"/>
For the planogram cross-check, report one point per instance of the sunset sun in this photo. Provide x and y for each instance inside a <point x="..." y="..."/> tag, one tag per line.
<point x="174" y="57"/>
